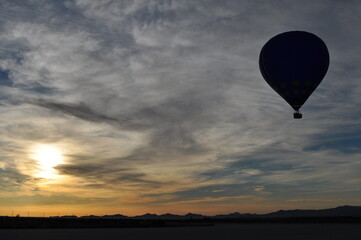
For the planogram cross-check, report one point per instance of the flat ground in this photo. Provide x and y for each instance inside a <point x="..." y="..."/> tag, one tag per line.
<point x="331" y="231"/>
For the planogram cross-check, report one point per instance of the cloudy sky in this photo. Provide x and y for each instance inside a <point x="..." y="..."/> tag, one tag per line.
<point x="142" y="106"/>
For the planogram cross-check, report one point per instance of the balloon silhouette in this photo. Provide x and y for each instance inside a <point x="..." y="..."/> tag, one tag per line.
<point x="294" y="64"/>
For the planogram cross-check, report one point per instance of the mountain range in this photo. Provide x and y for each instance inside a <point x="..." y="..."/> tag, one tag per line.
<point x="341" y="211"/>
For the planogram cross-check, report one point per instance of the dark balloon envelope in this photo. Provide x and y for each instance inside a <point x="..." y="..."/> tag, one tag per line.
<point x="294" y="64"/>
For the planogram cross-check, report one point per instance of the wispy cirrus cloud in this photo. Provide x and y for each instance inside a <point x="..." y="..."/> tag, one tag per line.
<point x="165" y="98"/>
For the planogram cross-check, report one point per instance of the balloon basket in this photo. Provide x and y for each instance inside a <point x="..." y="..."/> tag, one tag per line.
<point x="297" y="115"/>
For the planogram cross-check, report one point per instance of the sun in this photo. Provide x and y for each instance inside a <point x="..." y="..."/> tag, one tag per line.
<point x="47" y="157"/>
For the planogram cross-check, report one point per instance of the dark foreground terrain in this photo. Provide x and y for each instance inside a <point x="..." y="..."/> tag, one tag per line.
<point x="58" y="222"/>
<point x="261" y="231"/>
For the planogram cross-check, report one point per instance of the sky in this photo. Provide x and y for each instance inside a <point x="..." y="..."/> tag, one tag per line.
<point x="159" y="106"/>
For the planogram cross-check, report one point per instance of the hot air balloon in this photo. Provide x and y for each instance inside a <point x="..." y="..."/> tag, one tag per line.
<point x="294" y="64"/>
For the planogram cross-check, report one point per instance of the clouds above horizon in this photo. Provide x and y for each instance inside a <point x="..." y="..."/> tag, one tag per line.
<point x="162" y="102"/>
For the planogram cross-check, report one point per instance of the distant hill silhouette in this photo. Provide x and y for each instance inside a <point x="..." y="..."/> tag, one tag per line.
<point x="170" y="216"/>
<point x="116" y="216"/>
<point x="147" y="216"/>
<point x="343" y="214"/>
<point x="236" y="215"/>
<point x="341" y="211"/>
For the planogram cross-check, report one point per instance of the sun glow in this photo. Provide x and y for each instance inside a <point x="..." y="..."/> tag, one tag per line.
<point x="47" y="157"/>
